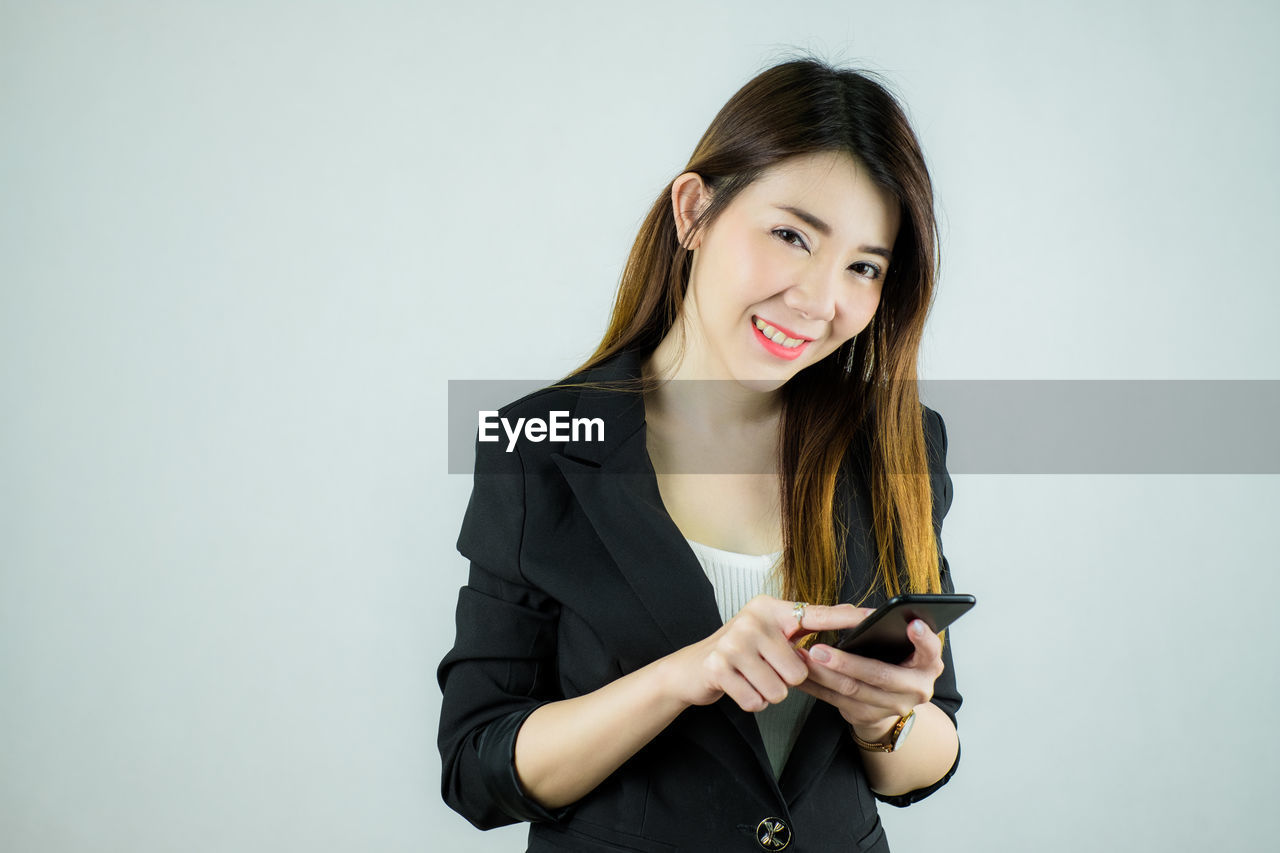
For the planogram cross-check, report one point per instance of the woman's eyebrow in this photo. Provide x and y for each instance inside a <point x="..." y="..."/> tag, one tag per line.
<point x="825" y="230"/>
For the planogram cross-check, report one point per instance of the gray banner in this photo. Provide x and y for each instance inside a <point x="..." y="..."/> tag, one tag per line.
<point x="1140" y="426"/>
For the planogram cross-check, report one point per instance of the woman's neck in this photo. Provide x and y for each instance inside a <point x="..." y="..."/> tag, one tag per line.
<point x="703" y="398"/>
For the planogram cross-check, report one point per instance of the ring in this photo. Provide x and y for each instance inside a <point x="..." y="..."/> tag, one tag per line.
<point x="798" y="611"/>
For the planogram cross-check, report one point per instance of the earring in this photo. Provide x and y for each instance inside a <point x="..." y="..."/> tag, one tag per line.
<point x="848" y="363"/>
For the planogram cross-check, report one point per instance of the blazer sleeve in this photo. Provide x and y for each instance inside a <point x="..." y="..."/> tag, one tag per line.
<point x="945" y="694"/>
<point x="501" y="666"/>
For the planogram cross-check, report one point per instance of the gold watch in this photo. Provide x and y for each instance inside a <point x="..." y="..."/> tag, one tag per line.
<point x="896" y="737"/>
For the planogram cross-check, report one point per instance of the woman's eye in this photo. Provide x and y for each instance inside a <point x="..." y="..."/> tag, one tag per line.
<point x="867" y="269"/>
<point x="790" y="237"/>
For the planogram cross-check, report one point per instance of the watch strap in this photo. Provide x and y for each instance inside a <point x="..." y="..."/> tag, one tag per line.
<point x="892" y="743"/>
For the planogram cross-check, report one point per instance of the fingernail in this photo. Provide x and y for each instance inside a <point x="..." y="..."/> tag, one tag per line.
<point x="918" y="627"/>
<point x="820" y="654"/>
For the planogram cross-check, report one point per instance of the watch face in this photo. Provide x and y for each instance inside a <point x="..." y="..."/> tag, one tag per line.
<point x="906" y="727"/>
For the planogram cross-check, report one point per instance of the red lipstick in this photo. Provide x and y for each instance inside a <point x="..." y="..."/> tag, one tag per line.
<point x="776" y="349"/>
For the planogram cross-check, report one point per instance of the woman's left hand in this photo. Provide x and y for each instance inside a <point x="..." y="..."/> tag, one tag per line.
<point x="871" y="694"/>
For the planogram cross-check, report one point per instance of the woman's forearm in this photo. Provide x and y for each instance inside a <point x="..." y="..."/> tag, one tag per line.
<point x="925" y="757"/>
<point x="566" y="748"/>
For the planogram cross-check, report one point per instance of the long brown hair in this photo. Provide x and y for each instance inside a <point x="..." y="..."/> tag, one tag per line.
<point x="864" y="395"/>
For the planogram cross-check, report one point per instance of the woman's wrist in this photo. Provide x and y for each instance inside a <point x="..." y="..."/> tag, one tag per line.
<point x="672" y="682"/>
<point x="877" y="732"/>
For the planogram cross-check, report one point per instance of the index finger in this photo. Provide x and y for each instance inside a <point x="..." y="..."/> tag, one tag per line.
<point x="821" y="617"/>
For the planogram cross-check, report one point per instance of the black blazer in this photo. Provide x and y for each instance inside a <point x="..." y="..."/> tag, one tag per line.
<point x="579" y="576"/>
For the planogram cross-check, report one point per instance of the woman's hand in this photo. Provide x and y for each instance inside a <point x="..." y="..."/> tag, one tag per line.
<point x="871" y="694"/>
<point x="752" y="658"/>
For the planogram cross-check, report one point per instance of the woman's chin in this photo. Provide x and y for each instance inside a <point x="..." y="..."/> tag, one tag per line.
<point x="763" y="384"/>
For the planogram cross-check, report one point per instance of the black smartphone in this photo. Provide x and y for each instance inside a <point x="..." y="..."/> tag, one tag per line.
<point x="883" y="634"/>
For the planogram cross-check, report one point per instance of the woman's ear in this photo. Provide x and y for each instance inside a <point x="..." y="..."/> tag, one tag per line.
<point x="689" y="195"/>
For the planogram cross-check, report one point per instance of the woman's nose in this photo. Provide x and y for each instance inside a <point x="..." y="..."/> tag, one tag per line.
<point x="813" y="296"/>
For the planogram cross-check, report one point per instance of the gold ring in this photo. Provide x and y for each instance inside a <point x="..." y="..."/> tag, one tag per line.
<point x="798" y="611"/>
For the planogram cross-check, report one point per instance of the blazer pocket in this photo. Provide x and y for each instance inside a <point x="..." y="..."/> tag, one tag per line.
<point x="589" y="838"/>
<point x="875" y="839"/>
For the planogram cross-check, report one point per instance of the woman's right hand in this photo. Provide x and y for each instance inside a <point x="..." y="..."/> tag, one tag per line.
<point x="752" y="658"/>
<point x="566" y="748"/>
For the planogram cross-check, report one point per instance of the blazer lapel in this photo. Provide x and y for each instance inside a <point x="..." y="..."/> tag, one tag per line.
<point x="617" y="488"/>
<point x="627" y="513"/>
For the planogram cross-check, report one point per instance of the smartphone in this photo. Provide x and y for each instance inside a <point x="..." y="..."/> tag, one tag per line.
<point x="883" y="634"/>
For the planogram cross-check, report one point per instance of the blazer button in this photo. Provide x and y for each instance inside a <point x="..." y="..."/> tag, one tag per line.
<point x="772" y="833"/>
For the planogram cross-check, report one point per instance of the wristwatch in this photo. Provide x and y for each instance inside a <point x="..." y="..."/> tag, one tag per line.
<point x="896" y="737"/>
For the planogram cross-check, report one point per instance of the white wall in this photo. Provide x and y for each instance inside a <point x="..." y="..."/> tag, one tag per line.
<point x="243" y="246"/>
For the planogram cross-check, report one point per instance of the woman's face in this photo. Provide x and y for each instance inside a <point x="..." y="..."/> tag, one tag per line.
<point x="788" y="272"/>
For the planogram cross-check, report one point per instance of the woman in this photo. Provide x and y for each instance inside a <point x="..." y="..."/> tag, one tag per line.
<point x="636" y="667"/>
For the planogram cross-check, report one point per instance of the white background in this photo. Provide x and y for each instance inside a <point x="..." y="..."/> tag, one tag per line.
<point x="243" y="247"/>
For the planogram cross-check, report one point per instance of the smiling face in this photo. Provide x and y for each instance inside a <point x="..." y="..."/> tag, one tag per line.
<point x="791" y="269"/>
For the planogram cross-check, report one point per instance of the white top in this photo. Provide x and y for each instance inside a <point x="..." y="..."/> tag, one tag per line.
<point x="736" y="579"/>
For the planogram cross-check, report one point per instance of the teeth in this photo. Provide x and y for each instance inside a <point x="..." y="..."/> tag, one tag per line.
<point x="777" y="337"/>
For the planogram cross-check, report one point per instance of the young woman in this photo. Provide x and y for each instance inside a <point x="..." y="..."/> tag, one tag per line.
<point x="643" y="656"/>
